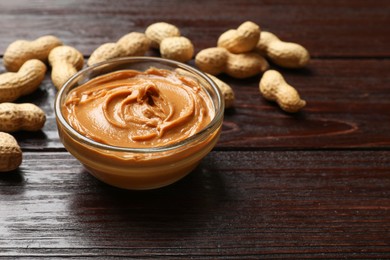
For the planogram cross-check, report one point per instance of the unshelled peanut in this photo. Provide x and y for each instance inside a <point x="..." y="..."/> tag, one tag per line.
<point x="131" y="44"/>
<point x="157" y="32"/>
<point x="217" y="60"/>
<point x="167" y="38"/>
<point x="284" y="54"/>
<point x="273" y="87"/>
<point x="240" y="40"/>
<point x="16" y="84"/>
<point x="177" y="48"/>
<point x="17" y="117"/>
<point x="226" y="90"/>
<point x="21" y="51"/>
<point x="10" y="153"/>
<point x="65" y="62"/>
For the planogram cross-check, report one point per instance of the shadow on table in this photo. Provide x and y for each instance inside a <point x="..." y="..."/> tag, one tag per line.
<point x="185" y="205"/>
<point x="12" y="183"/>
<point x="14" y="177"/>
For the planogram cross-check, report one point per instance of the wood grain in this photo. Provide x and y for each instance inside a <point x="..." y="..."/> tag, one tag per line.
<point x="328" y="28"/>
<point x="273" y="204"/>
<point x="309" y="185"/>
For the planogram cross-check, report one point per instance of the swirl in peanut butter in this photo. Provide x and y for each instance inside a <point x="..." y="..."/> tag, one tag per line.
<point x="139" y="109"/>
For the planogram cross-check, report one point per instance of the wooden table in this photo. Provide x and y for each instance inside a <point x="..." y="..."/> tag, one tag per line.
<point x="310" y="185"/>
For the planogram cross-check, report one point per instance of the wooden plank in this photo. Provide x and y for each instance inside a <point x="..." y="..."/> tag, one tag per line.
<point x="275" y="204"/>
<point x="310" y="185"/>
<point x="348" y="107"/>
<point x="327" y="28"/>
<point x="346" y="103"/>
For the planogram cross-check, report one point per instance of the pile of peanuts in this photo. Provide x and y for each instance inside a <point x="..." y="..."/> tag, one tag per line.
<point x="25" y="62"/>
<point x="244" y="52"/>
<point x="241" y="53"/>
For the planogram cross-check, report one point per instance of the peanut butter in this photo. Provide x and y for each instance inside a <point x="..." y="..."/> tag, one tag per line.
<point x="136" y="109"/>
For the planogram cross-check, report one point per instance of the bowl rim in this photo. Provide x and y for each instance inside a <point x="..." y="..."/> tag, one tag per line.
<point x="202" y="134"/>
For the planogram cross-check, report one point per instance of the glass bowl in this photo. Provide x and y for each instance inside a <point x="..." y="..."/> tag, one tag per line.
<point x="139" y="168"/>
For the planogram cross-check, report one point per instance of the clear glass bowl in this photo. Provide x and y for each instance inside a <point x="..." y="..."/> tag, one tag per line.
<point x="139" y="168"/>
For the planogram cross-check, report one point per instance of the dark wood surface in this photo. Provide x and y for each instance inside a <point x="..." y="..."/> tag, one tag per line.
<point x="310" y="185"/>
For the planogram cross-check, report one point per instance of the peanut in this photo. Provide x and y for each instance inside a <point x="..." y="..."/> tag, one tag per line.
<point x="134" y="43"/>
<point x="131" y="44"/>
<point x="274" y="88"/>
<point x="65" y="62"/>
<point x="243" y="39"/>
<point x="216" y="60"/>
<point x="21" y="51"/>
<point x="226" y="90"/>
<point x="25" y="81"/>
<point x="167" y="38"/>
<point x="104" y="52"/>
<point x="285" y="54"/>
<point x="177" y="48"/>
<point x="212" y="60"/>
<point x="10" y="153"/>
<point x="158" y="31"/>
<point x="17" y="117"/>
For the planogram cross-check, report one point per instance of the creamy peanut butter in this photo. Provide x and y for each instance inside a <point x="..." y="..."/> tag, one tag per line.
<point x="139" y="109"/>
